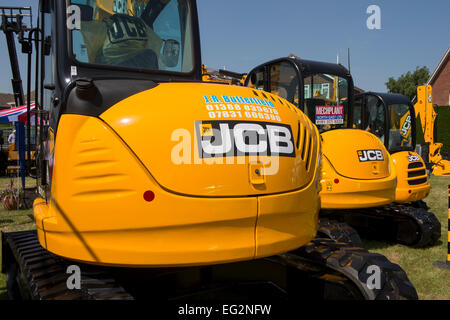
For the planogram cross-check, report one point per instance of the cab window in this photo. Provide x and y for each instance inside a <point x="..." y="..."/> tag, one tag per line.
<point x="357" y="113"/>
<point x="256" y="79"/>
<point x="375" y="117"/>
<point x="400" y="133"/>
<point x="141" y="34"/>
<point x="326" y="100"/>
<point x="284" y="81"/>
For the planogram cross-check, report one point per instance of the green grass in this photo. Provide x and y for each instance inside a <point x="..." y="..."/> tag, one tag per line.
<point x="10" y="221"/>
<point x="430" y="282"/>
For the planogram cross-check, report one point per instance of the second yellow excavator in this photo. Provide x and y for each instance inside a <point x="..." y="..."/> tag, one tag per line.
<point x="390" y="117"/>
<point x="359" y="177"/>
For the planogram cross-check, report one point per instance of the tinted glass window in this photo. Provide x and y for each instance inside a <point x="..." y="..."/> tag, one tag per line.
<point x="284" y="81"/>
<point x="357" y="113"/>
<point x="144" y="34"/>
<point x="256" y="79"/>
<point x="326" y="100"/>
<point x="375" y="117"/>
<point x="400" y="130"/>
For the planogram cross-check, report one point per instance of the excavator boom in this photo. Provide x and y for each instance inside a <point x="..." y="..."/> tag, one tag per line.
<point x="425" y="110"/>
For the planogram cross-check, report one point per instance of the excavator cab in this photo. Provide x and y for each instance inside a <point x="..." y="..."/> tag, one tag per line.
<point x="357" y="171"/>
<point x="391" y="117"/>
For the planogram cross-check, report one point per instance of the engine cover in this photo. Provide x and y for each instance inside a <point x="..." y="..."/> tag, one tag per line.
<point x="204" y="139"/>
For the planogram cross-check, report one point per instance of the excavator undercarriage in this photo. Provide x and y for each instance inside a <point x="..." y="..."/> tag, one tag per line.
<point x="329" y="270"/>
<point x="404" y="224"/>
<point x="115" y="220"/>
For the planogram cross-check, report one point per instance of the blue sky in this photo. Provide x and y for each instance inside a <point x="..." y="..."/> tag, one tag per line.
<point x="243" y="34"/>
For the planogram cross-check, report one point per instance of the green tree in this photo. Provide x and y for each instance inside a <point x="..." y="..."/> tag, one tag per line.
<point x="407" y="83"/>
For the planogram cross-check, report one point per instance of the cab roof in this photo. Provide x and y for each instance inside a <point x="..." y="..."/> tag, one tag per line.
<point x="389" y="98"/>
<point x="310" y="66"/>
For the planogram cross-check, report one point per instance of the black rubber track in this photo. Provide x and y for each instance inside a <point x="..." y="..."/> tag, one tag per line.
<point x="354" y="263"/>
<point x="338" y="232"/>
<point x="429" y="226"/>
<point x="403" y="224"/>
<point x="418" y="204"/>
<point x="42" y="275"/>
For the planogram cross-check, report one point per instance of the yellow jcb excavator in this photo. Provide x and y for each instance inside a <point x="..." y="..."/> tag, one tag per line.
<point x="151" y="178"/>
<point x="390" y="117"/>
<point x="359" y="177"/>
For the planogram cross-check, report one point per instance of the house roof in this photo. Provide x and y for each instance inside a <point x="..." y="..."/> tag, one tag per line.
<point x="359" y="90"/>
<point x="439" y="67"/>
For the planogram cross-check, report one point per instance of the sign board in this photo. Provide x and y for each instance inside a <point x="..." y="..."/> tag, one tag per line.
<point x="329" y="115"/>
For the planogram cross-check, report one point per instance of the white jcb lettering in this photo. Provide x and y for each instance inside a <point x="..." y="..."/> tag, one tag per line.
<point x="370" y="155"/>
<point x="413" y="158"/>
<point x="379" y="155"/>
<point x="233" y="139"/>
<point x="363" y="157"/>
<point x="225" y="145"/>
<point x="406" y="126"/>
<point x="280" y="140"/>
<point x="255" y="144"/>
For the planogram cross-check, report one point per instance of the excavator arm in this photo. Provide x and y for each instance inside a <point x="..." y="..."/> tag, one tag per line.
<point x="424" y="108"/>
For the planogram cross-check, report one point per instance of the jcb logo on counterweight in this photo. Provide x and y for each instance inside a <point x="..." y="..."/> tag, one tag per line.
<point x="370" y="155"/>
<point x="243" y="138"/>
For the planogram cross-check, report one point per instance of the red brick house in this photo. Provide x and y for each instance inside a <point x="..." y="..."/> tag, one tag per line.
<point x="440" y="81"/>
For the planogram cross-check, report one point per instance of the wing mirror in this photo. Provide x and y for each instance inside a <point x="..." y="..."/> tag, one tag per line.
<point x="171" y="52"/>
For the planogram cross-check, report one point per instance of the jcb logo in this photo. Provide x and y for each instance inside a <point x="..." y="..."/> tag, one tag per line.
<point x="413" y="158"/>
<point x="370" y="155"/>
<point x="406" y="126"/>
<point x="242" y="138"/>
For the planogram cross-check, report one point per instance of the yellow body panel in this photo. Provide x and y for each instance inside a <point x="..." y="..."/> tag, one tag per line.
<point x="97" y="212"/>
<point x="342" y="148"/>
<point x="408" y="189"/>
<point x="354" y="193"/>
<point x="442" y="168"/>
<point x="281" y="216"/>
<point x="133" y="119"/>
<point x="348" y="183"/>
